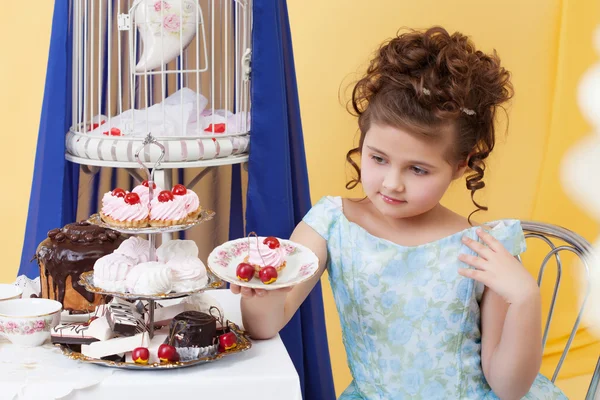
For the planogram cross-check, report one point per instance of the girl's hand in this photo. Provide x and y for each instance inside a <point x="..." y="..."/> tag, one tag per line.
<point x="248" y="292"/>
<point x="497" y="269"/>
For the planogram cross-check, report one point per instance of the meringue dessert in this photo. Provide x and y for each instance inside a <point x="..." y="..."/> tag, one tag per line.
<point x="129" y="269"/>
<point x="111" y="271"/>
<point x="149" y="278"/>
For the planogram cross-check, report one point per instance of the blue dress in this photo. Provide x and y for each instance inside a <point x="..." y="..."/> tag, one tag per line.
<point x="411" y="323"/>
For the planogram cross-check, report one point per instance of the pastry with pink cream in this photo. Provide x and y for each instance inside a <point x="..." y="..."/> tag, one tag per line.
<point x="190" y="198"/>
<point x="127" y="211"/>
<point x="143" y="191"/>
<point x="167" y="210"/>
<point x="266" y="251"/>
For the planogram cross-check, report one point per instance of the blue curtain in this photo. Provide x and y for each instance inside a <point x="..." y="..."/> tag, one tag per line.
<point x="278" y="191"/>
<point x="53" y="201"/>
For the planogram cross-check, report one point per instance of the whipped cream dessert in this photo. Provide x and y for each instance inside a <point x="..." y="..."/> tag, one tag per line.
<point x="143" y="190"/>
<point x="167" y="210"/>
<point x="136" y="248"/>
<point x="111" y="271"/>
<point x="189" y="273"/>
<point x="125" y="210"/>
<point x="129" y="268"/>
<point x="190" y="199"/>
<point x="176" y="248"/>
<point x="149" y="278"/>
<point x="261" y="254"/>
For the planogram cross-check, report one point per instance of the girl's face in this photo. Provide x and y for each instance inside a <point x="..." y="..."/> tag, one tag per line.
<point x="405" y="176"/>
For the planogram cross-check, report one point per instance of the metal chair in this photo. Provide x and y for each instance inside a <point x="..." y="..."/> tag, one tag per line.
<point x="574" y="243"/>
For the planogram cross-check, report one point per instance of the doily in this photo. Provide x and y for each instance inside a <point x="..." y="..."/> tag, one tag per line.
<point x="43" y="373"/>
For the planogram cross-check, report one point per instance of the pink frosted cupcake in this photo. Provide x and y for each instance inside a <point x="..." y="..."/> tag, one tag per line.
<point x="113" y="196"/>
<point x="126" y="212"/>
<point x="167" y="210"/>
<point x="143" y="191"/>
<point x="190" y="198"/>
<point x="266" y="251"/>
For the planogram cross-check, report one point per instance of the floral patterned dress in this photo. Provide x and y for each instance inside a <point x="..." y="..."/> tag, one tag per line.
<point x="411" y="323"/>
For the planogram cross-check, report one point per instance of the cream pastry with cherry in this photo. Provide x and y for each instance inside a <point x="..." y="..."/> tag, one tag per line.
<point x="126" y="211"/>
<point x="190" y="198"/>
<point x="143" y="190"/>
<point x="167" y="210"/>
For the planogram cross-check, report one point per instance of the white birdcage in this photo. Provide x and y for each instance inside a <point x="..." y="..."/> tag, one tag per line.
<point x="176" y="69"/>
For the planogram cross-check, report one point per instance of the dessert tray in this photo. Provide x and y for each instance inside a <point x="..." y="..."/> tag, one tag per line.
<point x="205" y="215"/>
<point x="301" y="264"/>
<point x="243" y="344"/>
<point x="117" y="334"/>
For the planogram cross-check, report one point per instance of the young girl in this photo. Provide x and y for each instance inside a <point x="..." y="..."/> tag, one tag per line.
<point x="431" y="305"/>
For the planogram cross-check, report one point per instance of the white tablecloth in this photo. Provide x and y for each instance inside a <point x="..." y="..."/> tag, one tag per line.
<point x="264" y="372"/>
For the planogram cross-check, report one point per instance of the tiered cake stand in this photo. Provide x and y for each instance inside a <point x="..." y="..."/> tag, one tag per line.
<point x="87" y="278"/>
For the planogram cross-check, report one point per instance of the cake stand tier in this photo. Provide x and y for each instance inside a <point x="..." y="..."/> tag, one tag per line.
<point x="215" y="162"/>
<point x="87" y="281"/>
<point x="205" y="215"/>
<point x="243" y="344"/>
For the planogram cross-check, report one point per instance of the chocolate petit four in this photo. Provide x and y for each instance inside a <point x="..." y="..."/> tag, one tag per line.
<point x="193" y="329"/>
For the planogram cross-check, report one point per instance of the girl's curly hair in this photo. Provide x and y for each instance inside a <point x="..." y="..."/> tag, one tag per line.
<point x="425" y="82"/>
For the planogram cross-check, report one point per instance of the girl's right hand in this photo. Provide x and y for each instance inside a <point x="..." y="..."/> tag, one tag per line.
<point x="249" y="292"/>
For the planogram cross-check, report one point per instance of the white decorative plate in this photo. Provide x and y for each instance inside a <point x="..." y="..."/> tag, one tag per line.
<point x="301" y="264"/>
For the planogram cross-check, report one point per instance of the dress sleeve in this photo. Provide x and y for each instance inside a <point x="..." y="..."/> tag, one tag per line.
<point x="323" y="214"/>
<point x="510" y="234"/>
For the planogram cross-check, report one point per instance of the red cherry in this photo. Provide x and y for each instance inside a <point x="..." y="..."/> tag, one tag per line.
<point x="132" y="198"/>
<point x="216" y="128"/>
<point x="140" y="355"/>
<point x="167" y="353"/>
<point x="268" y="275"/>
<point x="115" y="132"/>
<point x="244" y="272"/>
<point x="165" y="196"/>
<point x="179" y="190"/>
<point x="272" y="242"/>
<point x="227" y="341"/>
<point x="118" y="192"/>
<point x="145" y="183"/>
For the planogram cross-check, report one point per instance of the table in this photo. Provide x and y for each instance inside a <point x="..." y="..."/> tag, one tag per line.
<point x="263" y="372"/>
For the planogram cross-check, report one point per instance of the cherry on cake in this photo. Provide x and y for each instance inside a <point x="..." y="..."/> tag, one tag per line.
<point x="190" y="198"/>
<point x="127" y="211"/>
<point x="167" y="210"/>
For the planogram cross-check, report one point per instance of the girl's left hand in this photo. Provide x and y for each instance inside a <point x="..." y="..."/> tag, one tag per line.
<point x="497" y="269"/>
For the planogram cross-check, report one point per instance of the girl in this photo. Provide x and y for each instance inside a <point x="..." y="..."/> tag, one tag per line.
<point x="431" y="306"/>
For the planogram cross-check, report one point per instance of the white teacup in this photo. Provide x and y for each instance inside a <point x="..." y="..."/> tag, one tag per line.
<point x="9" y="292"/>
<point x="28" y="322"/>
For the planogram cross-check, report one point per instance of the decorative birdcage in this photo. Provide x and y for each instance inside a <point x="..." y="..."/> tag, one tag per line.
<point x="176" y="69"/>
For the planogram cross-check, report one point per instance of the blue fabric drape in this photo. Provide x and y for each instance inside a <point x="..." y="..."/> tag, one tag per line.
<point x="278" y="191"/>
<point x="53" y="201"/>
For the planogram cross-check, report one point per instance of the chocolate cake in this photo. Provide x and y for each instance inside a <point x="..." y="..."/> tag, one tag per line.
<point x="193" y="329"/>
<point x="67" y="253"/>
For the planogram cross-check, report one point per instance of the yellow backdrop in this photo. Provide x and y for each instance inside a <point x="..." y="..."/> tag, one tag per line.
<point x="546" y="44"/>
